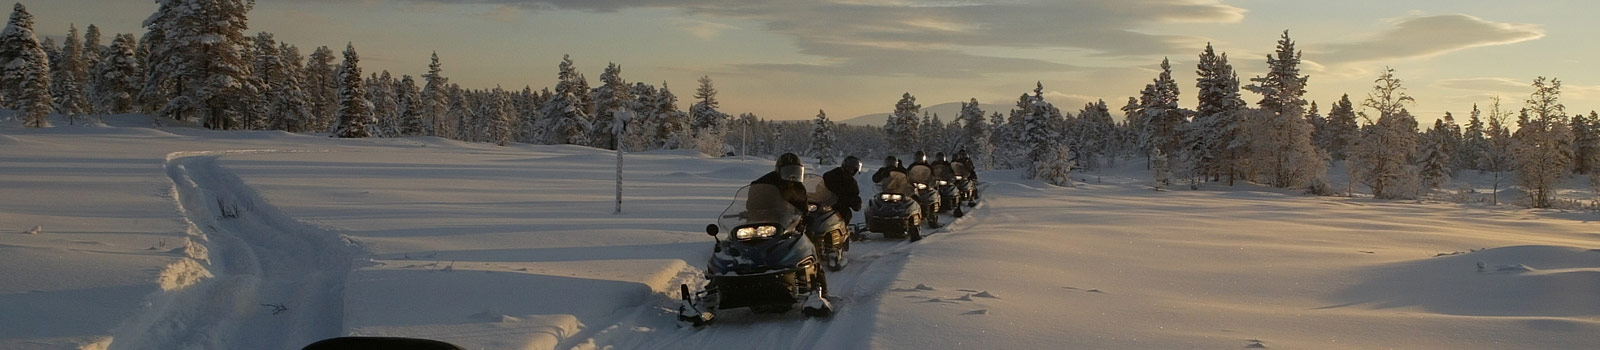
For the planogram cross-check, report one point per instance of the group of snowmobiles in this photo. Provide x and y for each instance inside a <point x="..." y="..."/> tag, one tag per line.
<point x="773" y="255"/>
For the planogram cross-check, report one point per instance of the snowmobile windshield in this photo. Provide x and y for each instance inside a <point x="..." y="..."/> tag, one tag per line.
<point x="943" y="172"/>
<point x="817" y="191"/>
<point x="759" y="204"/>
<point x="920" y="173"/>
<point x="961" y="169"/>
<point x="897" y="183"/>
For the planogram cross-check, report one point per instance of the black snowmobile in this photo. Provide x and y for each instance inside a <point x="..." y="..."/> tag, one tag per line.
<point x="827" y="230"/>
<point x="765" y="262"/>
<point x="944" y="178"/>
<point x="966" y="187"/>
<point x="895" y="211"/>
<point x="922" y="179"/>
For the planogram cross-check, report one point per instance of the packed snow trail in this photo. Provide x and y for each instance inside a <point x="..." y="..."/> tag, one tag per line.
<point x="279" y="282"/>
<point x="856" y="292"/>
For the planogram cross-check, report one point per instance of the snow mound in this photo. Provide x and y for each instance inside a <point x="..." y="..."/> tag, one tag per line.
<point x="1518" y="281"/>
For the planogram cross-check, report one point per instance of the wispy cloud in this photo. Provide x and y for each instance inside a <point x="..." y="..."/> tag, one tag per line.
<point x="705" y="30"/>
<point x="1428" y="36"/>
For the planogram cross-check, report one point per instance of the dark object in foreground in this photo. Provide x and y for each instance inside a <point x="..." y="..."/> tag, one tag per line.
<point x="386" y="343"/>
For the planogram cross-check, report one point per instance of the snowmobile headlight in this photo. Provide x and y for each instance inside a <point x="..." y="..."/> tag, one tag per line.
<point x="943" y="182"/>
<point x="811" y="207"/>
<point x="959" y="177"/>
<point x="920" y="186"/>
<point x="755" y="232"/>
<point x="890" y="197"/>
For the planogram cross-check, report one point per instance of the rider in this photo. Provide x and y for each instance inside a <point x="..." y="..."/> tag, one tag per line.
<point x="921" y="158"/>
<point x="972" y="171"/>
<point x="942" y="169"/>
<point x="842" y="181"/>
<point x="787" y="178"/>
<point x="889" y="165"/>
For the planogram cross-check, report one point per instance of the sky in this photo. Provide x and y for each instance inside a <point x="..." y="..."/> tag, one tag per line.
<point x="787" y="59"/>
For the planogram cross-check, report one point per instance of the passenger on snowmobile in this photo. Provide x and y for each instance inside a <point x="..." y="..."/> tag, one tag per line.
<point x="944" y="178"/>
<point x="889" y="164"/>
<point x="971" y="169"/>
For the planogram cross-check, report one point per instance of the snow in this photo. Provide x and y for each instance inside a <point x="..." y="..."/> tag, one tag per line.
<point x="176" y="237"/>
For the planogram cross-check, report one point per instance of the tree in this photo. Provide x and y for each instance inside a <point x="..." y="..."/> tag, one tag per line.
<point x="1497" y="156"/>
<point x="117" y="77"/>
<point x="1585" y="143"/>
<point x="900" y="130"/>
<point x="355" y="112"/>
<point x="1543" y="143"/>
<point x="1384" y="155"/>
<point x="435" y="101"/>
<point x="1342" y="129"/>
<point x="411" y="108"/>
<point x="322" y="86"/>
<point x="823" y="142"/>
<point x="1212" y="140"/>
<point x="1474" y="142"/>
<point x="27" y="70"/>
<point x="502" y="117"/>
<point x="1282" y="145"/>
<point x="67" y="79"/>
<point x="613" y="94"/>
<point x="565" y="121"/>
<point x="1164" y="120"/>
<point x="706" y="122"/>
<point x="1434" y="162"/>
<point x="200" y="55"/>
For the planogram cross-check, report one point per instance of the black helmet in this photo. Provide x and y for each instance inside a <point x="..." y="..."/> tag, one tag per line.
<point x="851" y="164"/>
<point x="789" y="167"/>
<point x="890" y="162"/>
<point x="920" y="157"/>
<point x="940" y="157"/>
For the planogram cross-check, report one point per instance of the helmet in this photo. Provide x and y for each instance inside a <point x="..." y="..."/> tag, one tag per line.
<point x="920" y="157"/>
<point x="940" y="157"/>
<point x="890" y="162"/>
<point x="789" y="167"/>
<point x="851" y="164"/>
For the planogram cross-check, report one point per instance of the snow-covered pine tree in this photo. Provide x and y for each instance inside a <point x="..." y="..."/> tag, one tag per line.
<point x="355" y="112"/>
<point x="670" y="120"/>
<point x="435" y="100"/>
<point x="1039" y="133"/>
<point x="322" y="88"/>
<point x="1474" y="142"/>
<point x="612" y="95"/>
<point x="986" y="155"/>
<point x="117" y="77"/>
<point x="1585" y="143"/>
<point x="1543" y="144"/>
<point x="92" y="50"/>
<point x="1342" y="129"/>
<point x="1434" y="162"/>
<point x="411" y="107"/>
<point x="705" y="120"/>
<point x="283" y="102"/>
<point x="458" y="113"/>
<point x="1161" y="170"/>
<point x="934" y="139"/>
<point x="68" y="73"/>
<point x="385" y="104"/>
<point x="1161" y="111"/>
<point x="640" y="135"/>
<point x="1383" y="157"/>
<point x="1282" y="145"/>
<point x="900" y="130"/>
<point x="27" y="70"/>
<point x="565" y="120"/>
<point x="1210" y="140"/>
<point x="502" y="117"/>
<point x="200" y="53"/>
<point x="1496" y="158"/>
<point x="823" y="142"/>
<point x="974" y="129"/>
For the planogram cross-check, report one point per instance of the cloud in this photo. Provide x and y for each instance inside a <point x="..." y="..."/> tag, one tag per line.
<point x="507" y="13"/>
<point x="898" y="36"/>
<point x="1484" y="84"/>
<point x="705" y="30"/>
<point x="1428" y="36"/>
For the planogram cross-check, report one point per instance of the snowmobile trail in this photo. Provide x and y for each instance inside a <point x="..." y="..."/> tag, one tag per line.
<point x="278" y="282"/>
<point x="856" y="291"/>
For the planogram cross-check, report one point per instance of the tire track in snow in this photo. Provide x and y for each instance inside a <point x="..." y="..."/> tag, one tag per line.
<point x="258" y="256"/>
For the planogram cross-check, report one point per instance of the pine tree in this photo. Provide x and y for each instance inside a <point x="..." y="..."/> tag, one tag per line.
<point x="92" y="50"/>
<point x="411" y="108"/>
<point x="322" y="88"/>
<point x="1542" y="144"/>
<point x="900" y="130"/>
<point x="435" y="101"/>
<point x="1435" y="156"/>
<point x="612" y="95"/>
<point x="1212" y="140"/>
<point x="199" y="53"/>
<point x="704" y="111"/>
<point x="67" y="77"/>
<point x="565" y="119"/>
<point x="117" y="77"/>
<point x="1342" y="129"/>
<point x="502" y="117"/>
<point x="1164" y="119"/>
<point x="670" y="120"/>
<point x="355" y="112"/>
<point x="1282" y="144"/>
<point x="27" y="70"/>
<point x="823" y="141"/>
<point x="1585" y="143"/>
<point x="385" y="104"/>
<point x="1384" y="155"/>
<point x="1474" y="143"/>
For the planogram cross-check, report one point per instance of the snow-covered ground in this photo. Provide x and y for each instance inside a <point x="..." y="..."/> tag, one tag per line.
<point x="178" y="237"/>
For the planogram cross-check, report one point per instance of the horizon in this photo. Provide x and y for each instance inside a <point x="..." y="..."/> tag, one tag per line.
<point x="784" y="61"/>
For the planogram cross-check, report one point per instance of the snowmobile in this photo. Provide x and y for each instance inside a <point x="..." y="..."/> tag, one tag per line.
<point x="827" y="230"/>
<point x="765" y="263"/>
<point x="922" y="179"/>
<point x="895" y="211"/>
<point x="966" y="187"/>
<point x="949" y="196"/>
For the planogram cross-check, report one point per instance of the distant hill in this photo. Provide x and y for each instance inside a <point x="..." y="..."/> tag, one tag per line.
<point x="946" y="112"/>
